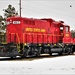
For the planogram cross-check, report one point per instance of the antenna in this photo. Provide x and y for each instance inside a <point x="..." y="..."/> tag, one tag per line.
<point x="20" y="7"/>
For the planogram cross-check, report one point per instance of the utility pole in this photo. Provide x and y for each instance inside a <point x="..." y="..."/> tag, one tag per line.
<point x="20" y="7"/>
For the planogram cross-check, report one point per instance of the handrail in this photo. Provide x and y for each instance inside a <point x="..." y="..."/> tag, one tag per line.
<point x="53" y="35"/>
<point x="18" y="45"/>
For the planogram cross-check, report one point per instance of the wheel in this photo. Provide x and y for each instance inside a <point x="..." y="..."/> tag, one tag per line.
<point x="31" y="52"/>
<point x="22" y="56"/>
<point x="60" y="53"/>
<point x="67" y="50"/>
<point x="50" y="54"/>
<point x="36" y="52"/>
<point x="71" y="50"/>
<point x="13" y="57"/>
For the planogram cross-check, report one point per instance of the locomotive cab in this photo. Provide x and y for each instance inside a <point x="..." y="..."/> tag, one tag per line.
<point x="58" y="32"/>
<point x="67" y="35"/>
<point x="61" y="32"/>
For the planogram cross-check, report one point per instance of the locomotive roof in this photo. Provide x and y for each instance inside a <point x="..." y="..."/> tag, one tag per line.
<point x="60" y="23"/>
<point x="42" y="20"/>
<point x="35" y="19"/>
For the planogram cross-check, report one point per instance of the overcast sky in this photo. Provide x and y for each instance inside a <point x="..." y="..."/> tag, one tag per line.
<point x="56" y="9"/>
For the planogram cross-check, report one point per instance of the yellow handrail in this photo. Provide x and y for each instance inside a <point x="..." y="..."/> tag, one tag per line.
<point x="18" y="45"/>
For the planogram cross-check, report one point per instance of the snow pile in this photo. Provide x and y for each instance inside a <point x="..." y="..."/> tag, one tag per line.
<point x="58" y="65"/>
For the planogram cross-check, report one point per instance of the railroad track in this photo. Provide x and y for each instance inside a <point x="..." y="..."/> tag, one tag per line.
<point x="32" y="58"/>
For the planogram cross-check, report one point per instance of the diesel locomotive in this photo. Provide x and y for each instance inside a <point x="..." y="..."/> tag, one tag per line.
<point x="29" y="37"/>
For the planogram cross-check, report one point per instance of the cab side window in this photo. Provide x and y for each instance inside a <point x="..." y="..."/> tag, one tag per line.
<point x="67" y="29"/>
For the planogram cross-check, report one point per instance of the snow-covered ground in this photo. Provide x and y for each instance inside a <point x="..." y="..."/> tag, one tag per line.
<point x="57" y="65"/>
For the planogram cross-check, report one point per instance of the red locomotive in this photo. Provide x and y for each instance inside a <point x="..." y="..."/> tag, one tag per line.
<point x="31" y="37"/>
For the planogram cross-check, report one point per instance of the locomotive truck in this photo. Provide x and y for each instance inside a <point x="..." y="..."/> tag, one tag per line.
<point x="29" y="37"/>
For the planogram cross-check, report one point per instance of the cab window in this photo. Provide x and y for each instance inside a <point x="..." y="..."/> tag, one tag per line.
<point x="61" y="28"/>
<point x="67" y="29"/>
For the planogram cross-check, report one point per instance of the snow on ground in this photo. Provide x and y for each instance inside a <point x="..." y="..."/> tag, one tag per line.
<point x="57" y="65"/>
